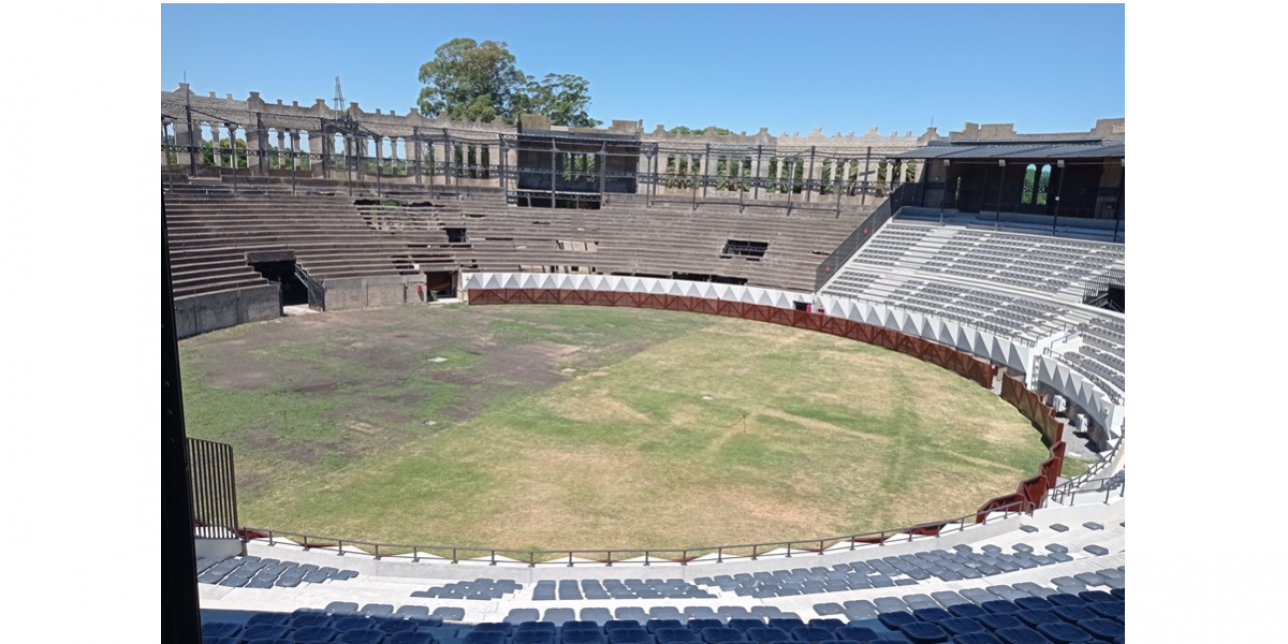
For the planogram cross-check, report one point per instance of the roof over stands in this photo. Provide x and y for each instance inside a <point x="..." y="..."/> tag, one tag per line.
<point x="1110" y="150"/>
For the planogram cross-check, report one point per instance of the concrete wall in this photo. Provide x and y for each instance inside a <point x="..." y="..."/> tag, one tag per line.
<point x="203" y="313"/>
<point x="370" y="292"/>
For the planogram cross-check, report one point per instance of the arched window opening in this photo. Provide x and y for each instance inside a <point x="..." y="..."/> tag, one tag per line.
<point x="1044" y="183"/>
<point x="1029" y="193"/>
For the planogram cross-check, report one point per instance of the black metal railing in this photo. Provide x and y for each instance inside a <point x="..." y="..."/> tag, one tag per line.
<point x="908" y="193"/>
<point x="214" y="489"/>
<point x="644" y="556"/>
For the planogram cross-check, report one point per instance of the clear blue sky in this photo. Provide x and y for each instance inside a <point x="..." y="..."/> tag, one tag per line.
<point x="1046" y="68"/>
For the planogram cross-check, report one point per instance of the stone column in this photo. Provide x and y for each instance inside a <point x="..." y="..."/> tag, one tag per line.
<point x="256" y="141"/>
<point x="319" y="153"/>
<point x="280" y="155"/>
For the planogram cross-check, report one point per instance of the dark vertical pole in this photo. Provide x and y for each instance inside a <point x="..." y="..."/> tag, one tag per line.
<point x="419" y="156"/>
<point x="328" y="142"/>
<point x="505" y="164"/>
<point x="380" y="162"/>
<point x="809" y="176"/>
<point x="553" y="170"/>
<point x="837" y="170"/>
<point x="180" y="608"/>
<point x="867" y="162"/>
<point x="1059" y="191"/>
<point x="1001" y="186"/>
<point x="193" y="150"/>
<point x="232" y="143"/>
<point x="791" y="182"/>
<point x="600" y="164"/>
<point x="755" y="195"/>
<point x="1118" y="207"/>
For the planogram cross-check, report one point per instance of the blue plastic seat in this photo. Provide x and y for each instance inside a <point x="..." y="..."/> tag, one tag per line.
<point x="855" y="634"/>
<point x="1064" y="633"/>
<point x="924" y="633"/>
<point x="1065" y="599"/>
<point x="270" y="640"/>
<point x="765" y="635"/>
<point x="966" y="610"/>
<point x="548" y="627"/>
<point x="655" y="625"/>
<point x="961" y="625"/>
<point x="534" y="636"/>
<point x="369" y="636"/>
<point x="976" y="638"/>
<point x="351" y="623"/>
<point x="629" y="636"/>
<point x="1072" y="613"/>
<point x="830" y="623"/>
<point x="614" y="624"/>
<point x="746" y="623"/>
<point x="810" y="634"/>
<point x="1000" y="607"/>
<point x="581" y="625"/>
<point x="500" y="627"/>
<point x="410" y="637"/>
<point x="1091" y="596"/>
<point x="931" y="614"/>
<point x="219" y="629"/>
<point x="391" y="626"/>
<point x="721" y="635"/>
<point x="1103" y="629"/>
<point x="1033" y="603"/>
<point x="896" y="619"/>
<point x="305" y="620"/>
<point x="580" y="636"/>
<point x="311" y="634"/>
<point x="1113" y="610"/>
<point x="997" y="622"/>
<point x="484" y="637"/>
<point x="1034" y="618"/>
<point x="678" y="636"/>
<point x="1020" y="635"/>
<point x="264" y="632"/>
<point x="704" y="622"/>
<point x="269" y="619"/>
<point x="786" y="623"/>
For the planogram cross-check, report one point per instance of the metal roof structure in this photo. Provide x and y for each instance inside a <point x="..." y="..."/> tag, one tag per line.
<point x="1035" y="151"/>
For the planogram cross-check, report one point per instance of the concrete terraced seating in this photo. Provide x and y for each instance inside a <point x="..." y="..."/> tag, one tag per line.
<point x="1048" y="266"/>
<point x="336" y="235"/>
<point x="1008" y="314"/>
<point x="254" y="572"/>
<point x="478" y="589"/>
<point x="211" y="232"/>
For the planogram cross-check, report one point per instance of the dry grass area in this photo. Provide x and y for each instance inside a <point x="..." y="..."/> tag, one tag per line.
<point x="584" y="427"/>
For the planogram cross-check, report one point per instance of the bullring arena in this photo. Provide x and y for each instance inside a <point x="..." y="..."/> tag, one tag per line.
<point x="452" y="381"/>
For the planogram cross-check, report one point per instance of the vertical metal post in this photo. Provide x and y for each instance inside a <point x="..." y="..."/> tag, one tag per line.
<point x="1001" y="186"/>
<point x="1059" y="191"/>
<point x="599" y="167"/>
<point x="791" y="182"/>
<point x="379" y="164"/>
<point x="741" y="169"/>
<point x="755" y="195"/>
<point x="419" y="156"/>
<point x="505" y="165"/>
<point x="232" y="143"/>
<point x="809" y="176"/>
<point x="867" y="163"/>
<point x="836" y="171"/>
<point x="553" y="171"/>
<point x="1118" y="211"/>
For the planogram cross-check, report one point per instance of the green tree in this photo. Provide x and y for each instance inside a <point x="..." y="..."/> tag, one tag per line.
<point x="562" y="98"/>
<point x="699" y="130"/>
<point x="225" y="152"/>
<point x="473" y="81"/>
<point x="468" y="80"/>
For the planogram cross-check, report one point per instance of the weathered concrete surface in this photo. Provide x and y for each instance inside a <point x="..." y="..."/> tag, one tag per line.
<point x="210" y="311"/>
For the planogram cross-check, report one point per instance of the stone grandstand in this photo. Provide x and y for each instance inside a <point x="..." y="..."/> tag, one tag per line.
<point x="243" y="246"/>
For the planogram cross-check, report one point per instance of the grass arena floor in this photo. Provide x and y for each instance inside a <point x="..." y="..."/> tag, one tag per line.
<point x="552" y="427"/>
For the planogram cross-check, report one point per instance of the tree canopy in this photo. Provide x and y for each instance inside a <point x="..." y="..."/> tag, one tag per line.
<point x="474" y="81"/>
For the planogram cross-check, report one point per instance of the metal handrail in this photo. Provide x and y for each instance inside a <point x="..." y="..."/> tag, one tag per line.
<point x="604" y="556"/>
